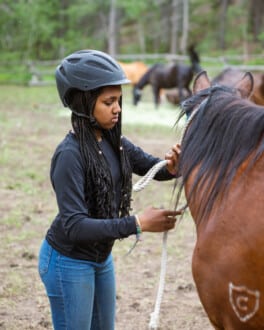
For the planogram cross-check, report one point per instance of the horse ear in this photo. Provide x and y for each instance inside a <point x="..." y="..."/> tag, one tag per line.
<point x="245" y="85"/>
<point x="201" y="81"/>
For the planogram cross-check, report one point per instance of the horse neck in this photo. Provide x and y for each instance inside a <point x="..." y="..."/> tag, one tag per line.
<point x="144" y="80"/>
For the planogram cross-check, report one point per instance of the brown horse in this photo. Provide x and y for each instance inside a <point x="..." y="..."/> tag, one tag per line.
<point x="229" y="76"/>
<point x="222" y="167"/>
<point x="134" y="70"/>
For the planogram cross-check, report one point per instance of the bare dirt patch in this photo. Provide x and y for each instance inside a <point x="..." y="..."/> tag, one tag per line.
<point x="29" y="133"/>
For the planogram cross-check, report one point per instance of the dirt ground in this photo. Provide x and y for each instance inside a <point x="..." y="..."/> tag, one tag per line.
<point x="30" y="128"/>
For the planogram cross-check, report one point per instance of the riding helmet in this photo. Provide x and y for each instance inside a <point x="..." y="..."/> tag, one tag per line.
<point x="86" y="70"/>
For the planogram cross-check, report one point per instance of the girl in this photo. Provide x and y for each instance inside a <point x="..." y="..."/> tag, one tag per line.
<point x="91" y="174"/>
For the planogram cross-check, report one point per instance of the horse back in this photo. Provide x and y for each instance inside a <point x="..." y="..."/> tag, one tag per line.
<point x="171" y="75"/>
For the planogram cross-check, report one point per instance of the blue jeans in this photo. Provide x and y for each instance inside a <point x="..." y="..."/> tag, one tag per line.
<point x="82" y="294"/>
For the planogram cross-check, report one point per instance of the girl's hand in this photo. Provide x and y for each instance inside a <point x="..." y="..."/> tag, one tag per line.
<point x="157" y="220"/>
<point x="172" y="156"/>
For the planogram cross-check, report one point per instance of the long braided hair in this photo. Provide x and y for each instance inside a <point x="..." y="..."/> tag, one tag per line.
<point x="98" y="183"/>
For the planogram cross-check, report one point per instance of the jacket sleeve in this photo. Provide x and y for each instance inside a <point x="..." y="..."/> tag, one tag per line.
<point x="67" y="176"/>
<point x="141" y="161"/>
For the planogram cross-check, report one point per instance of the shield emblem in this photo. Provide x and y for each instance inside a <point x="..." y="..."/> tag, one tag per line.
<point x="245" y="302"/>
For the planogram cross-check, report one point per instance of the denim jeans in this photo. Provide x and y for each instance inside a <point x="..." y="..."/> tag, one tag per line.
<point x="81" y="293"/>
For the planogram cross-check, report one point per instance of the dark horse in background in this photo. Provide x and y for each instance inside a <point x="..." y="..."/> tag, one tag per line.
<point x="222" y="168"/>
<point x="161" y="76"/>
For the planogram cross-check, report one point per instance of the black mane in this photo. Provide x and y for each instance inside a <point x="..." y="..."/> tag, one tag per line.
<point x="224" y="132"/>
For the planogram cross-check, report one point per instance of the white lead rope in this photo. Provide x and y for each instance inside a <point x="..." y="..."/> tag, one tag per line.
<point x="141" y="184"/>
<point x="154" y="317"/>
<point x="144" y="181"/>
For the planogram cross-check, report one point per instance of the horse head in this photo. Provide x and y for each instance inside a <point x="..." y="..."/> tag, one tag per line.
<point x="202" y="88"/>
<point x="230" y="75"/>
<point x="208" y="128"/>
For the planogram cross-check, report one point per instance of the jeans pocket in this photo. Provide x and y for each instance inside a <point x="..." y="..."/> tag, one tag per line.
<point x="44" y="258"/>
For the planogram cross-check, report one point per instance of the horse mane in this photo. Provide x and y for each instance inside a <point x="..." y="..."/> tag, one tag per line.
<point x="225" y="131"/>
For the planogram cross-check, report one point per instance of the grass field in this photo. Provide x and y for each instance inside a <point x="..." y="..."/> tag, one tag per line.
<point x="32" y="123"/>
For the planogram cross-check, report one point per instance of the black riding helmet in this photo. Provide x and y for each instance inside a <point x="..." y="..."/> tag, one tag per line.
<point x="86" y="70"/>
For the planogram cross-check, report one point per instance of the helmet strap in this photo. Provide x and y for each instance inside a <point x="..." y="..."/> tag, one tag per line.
<point x="91" y="119"/>
<point x="94" y="123"/>
<point x="80" y="114"/>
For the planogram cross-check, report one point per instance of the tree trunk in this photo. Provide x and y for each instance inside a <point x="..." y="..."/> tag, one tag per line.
<point x="175" y="17"/>
<point x="112" y="29"/>
<point x="224" y="7"/>
<point x="185" y="26"/>
<point x="256" y="17"/>
<point x="141" y="37"/>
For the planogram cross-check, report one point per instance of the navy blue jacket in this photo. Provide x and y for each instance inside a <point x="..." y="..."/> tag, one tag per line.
<point x="73" y="233"/>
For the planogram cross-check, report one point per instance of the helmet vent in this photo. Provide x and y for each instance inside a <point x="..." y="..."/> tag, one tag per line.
<point x="62" y="70"/>
<point x="74" y="60"/>
<point x="108" y="60"/>
<point x="100" y="65"/>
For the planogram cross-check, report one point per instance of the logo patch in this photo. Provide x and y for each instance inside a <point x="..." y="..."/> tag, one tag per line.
<point x="245" y="302"/>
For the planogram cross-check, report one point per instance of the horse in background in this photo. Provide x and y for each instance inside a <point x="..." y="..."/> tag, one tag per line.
<point x="229" y="76"/>
<point x="222" y="168"/>
<point x="134" y="70"/>
<point x="161" y="76"/>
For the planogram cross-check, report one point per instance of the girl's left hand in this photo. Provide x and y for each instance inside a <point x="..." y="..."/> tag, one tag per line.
<point x="172" y="156"/>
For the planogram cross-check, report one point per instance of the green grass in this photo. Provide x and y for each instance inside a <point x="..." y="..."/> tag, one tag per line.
<point x="32" y="123"/>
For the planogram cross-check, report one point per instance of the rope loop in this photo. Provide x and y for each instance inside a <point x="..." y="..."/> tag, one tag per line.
<point x="141" y="184"/>
<point x="144" y="181"/>
<point x="154" y="317"/>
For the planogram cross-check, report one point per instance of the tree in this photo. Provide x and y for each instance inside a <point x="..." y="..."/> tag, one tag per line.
<point x="185" y="26"/>
<point x="37" y="29"/>
<point x="256" y="18"/>
<point x="222" y="16"/>
<point x="175" y="19"/>
<point x="112" y="29"/>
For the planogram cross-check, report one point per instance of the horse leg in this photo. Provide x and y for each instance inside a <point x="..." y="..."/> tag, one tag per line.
<point x="156" y="93"/>
<point x="181" y="96"/>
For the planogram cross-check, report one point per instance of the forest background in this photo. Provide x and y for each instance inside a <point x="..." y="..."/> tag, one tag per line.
<point x="40" y="30"/>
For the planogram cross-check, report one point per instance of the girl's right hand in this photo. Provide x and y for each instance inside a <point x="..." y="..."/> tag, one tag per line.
<point x="157" y="220"/>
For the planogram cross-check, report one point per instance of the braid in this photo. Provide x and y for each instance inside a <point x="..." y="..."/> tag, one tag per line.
<point x="125" y="205"/>
<point x="97" y="172"/>
<point x="114" y="137"/>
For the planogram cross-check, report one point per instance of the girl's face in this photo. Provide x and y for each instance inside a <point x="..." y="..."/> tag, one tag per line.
<point x="107" y="108"/>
